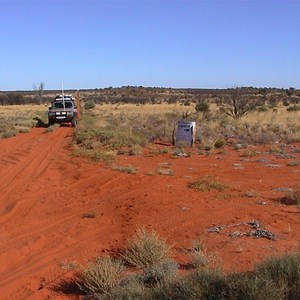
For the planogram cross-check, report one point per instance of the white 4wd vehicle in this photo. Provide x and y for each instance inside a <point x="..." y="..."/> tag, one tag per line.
<point x="63" y="110"/>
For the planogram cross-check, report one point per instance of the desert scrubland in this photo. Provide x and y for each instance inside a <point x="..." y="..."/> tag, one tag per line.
<point x="113" y="210"/>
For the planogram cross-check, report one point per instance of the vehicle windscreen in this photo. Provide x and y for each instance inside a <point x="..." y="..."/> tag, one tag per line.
<point x="61" y="104"/>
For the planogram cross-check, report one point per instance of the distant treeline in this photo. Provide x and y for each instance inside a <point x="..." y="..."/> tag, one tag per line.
<point x="153" y="95"/>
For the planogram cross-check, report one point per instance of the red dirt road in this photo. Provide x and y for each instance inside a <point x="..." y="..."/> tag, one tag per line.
<point x="45" y="193"/>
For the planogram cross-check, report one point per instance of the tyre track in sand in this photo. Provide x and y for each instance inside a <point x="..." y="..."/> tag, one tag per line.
<point x="39" y="224"/>
<point x="23" y="160"/>
<point x="30" y="161"/>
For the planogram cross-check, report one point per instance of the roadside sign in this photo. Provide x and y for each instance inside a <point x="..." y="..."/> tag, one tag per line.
<point x="185" y="132"/>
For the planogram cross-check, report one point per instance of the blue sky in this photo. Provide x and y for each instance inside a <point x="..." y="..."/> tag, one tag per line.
<point x="196" y="44"/>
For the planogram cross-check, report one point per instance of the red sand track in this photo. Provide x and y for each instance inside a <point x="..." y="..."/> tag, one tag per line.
<point x="45" y="193"/>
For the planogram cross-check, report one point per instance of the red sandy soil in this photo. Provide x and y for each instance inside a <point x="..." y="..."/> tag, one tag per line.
<point x="45" y="193"/>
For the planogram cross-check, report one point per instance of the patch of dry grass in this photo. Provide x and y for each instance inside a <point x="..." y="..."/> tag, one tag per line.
<point x="16" y="119"/>
<point x="207" y="183"/>
<point x="123" y="169"/>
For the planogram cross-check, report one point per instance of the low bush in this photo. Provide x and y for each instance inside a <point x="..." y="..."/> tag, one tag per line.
<point x="292" y="197"/>
<point x="100" y="278"/>
<point x="161" y="273"/>
<point x="219" y="143"/>
<point x="202" y="106"/>
<point x="90" y="104"/>
<point x="201" y="284"/>
<point x="9" y="133"/>
<point x="293" y="108"/>
<point x="131" y="288"/>
<point x="284" y="272"/>
<point x="145" y="249"/>
<point x="251" y="286"/>
<point x="199" y="256"/>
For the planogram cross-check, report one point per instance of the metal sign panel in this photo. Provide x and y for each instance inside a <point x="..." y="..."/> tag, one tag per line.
<point x="185" y="132"/>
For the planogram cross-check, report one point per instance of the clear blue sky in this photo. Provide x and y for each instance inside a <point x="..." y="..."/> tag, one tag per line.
<point x="197" y="44"/>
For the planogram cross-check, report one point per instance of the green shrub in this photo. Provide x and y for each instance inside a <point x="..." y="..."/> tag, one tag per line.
<point x="90" y="104"/>
<point x="202" y="106"/>
<point x="219" y="143"/>
<point x="145" y="249"/>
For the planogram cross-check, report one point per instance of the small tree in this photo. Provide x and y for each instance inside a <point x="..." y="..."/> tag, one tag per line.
<point x="39" y="91"/>
<point x="290" y="91"/>
<point x="239" y="104"/>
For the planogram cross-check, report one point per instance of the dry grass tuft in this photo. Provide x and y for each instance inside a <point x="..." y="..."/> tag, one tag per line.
<point x="208" y="183"/>
<point x="292" y="197"/>
<point x="100" y="278"/>
<point x="128" y="170"/>
<point x="146" y="249"/>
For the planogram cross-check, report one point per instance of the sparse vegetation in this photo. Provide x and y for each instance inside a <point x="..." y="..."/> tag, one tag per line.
<point x="119" y="128"/>
<point x="276" y="278"/>
<point x="90" y="214"/>
<point x="164" y="171"/>
<point x="208" y="183"/>
<point x="68" y="265"/>
<point x="250" y="153"/>
<point x="129" y="169"/>
<point x="239" y="104"/>
<point x="14" y="120"/>
<point x="294" y="163"/>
